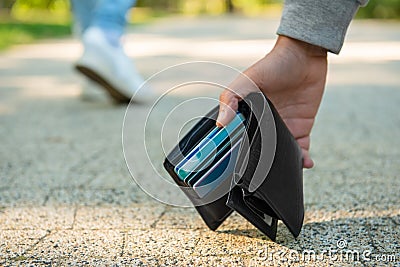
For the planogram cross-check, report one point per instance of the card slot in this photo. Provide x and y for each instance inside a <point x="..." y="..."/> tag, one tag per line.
<point x="197" y="149"/>
<point x="213" y="159"/>
<point x="193" y="139"/>
<point x="219" y="173"/>
<point x="223" y="156"/>
<point x="267" y="225"/>
<point x="201" y="129"/>
<point x="207" y="146"/>
<point x="259" y="206"/>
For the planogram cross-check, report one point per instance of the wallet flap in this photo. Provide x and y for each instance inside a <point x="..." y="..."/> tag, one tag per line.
<point x="265" y="223"/>
<point x="282" y="188"/>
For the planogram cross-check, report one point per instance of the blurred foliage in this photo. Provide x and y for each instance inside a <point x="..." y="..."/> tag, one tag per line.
<point x="21" y="33"/>
<point x="380" y="9"/>
<point x="46" y="11"/>
<point x="196" y="7"/>
<point x="383" y="9"/>
<point x="35" y="4"/>
<point x="31" y="20"/>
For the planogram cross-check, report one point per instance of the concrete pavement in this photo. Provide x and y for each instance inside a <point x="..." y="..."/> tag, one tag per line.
<point x="66" y="196"/>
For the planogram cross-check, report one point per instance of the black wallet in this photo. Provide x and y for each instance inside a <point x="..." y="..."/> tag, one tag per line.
<point x="277" y="196"/>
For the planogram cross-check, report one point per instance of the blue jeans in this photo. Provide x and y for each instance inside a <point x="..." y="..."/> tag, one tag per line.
<point x="109" y="15"/>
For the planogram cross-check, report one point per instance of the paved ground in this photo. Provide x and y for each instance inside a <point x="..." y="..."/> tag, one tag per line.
<point x="66" y="197"/>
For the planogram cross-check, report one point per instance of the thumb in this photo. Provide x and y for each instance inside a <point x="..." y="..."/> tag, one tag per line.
<point x="229" y="98"/>
<point x="228" y="105"/>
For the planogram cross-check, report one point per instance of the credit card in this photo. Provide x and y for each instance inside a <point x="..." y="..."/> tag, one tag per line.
<point x="221" y="151"/>
<point x="183" y="168"/>
<point x="218" y="173"/>
<point x="208" y="146"/>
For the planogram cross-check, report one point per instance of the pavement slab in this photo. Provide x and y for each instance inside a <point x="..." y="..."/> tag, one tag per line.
<point x="141" y="216"/>
<point x="30" y="218"/>
<point x="82" y="246"/>
<point x="17" y="242"/>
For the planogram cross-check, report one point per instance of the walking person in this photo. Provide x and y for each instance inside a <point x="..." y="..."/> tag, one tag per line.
<point x="101" y="25"/>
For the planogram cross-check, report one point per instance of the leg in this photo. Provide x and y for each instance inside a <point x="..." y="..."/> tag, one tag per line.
<point x="83" y="11"/>
<point x="104" y="60"/>
<point x="110" y="16"/>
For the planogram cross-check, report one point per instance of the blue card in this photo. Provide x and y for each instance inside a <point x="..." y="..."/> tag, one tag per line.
<point x="222" y="170"/>
<point x="208" y="147"/>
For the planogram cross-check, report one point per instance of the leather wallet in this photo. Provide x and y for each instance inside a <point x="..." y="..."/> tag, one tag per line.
<point x="267" y="182"/>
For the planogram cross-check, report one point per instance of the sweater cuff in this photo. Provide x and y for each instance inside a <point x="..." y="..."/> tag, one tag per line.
<point x="319" y="22"/>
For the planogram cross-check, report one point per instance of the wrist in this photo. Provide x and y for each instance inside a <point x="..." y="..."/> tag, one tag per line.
<point x="301" y="48"/>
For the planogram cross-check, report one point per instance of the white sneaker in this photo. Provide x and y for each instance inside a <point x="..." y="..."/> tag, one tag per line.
<point x="110" y="67"/>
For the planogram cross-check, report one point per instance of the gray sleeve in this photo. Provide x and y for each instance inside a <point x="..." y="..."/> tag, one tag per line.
<point x="319" y="22"/>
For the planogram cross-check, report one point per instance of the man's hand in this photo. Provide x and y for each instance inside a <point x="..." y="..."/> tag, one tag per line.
<point x="293" y="77"/>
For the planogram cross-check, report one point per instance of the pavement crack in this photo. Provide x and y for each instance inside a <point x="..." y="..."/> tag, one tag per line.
<point x="48" y="233"/>
<point x="95" y="155"/>
<point x="355" y="197"/>
<point x="82" y="163"/>
<point x="74" y="217"/>
<point x="123" y="245"/>
<point x="371" y="239"/>
<point x="153" y="225"/>
<point x="47" y="197"/>
<point x="394" y="221"/>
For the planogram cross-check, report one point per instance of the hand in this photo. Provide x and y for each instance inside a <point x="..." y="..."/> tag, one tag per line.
<point x="293" y="77"/>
